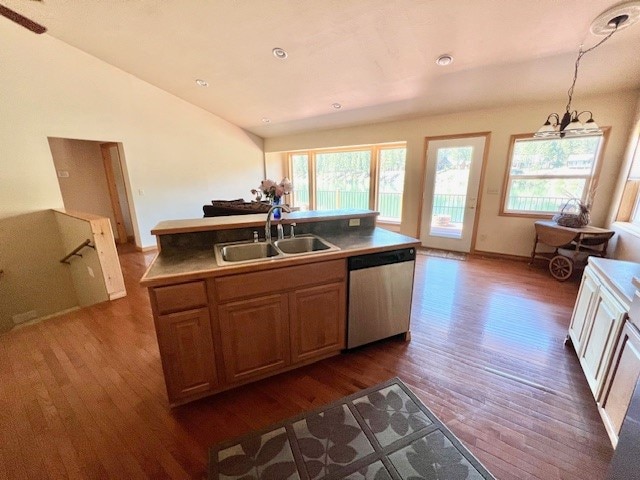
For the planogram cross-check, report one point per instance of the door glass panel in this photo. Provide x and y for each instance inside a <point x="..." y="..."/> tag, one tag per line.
<point x="391" y="183"/>
<point x="453" y="166"/>
<point x="300" y="180"/>
<point x="343" y="179"/>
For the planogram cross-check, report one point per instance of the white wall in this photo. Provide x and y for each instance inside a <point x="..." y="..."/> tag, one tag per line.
<point x="625" y="245"/>
<point x="178" y="156"/>
<point x="499" y="234"/>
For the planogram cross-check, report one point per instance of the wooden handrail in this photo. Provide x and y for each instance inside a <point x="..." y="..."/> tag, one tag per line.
<point x="86" y="243"/>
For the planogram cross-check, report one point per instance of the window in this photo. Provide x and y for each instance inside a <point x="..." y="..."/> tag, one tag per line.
<point x="629" y="207"/>
<point x="543" y="174"/>
<point x="299" y="166"/>
<point x="370" y="177"/>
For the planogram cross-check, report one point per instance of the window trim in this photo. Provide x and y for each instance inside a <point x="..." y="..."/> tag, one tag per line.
<point x="592" y="182"/>
<point x="374" y="172"/>
<point x="629" y="204"/>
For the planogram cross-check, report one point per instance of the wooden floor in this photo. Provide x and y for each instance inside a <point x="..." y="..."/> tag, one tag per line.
<point x="82" y="395"/>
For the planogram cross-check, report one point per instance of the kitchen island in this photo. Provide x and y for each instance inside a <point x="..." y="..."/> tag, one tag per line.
<point x="220" y="325"/>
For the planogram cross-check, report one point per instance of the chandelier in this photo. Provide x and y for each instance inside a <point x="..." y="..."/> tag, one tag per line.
<point x="571" y="122"/>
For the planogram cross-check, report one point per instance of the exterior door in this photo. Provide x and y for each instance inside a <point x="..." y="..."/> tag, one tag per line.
<point x="452" y="182"/>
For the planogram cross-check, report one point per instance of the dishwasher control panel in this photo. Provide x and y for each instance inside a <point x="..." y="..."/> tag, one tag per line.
<point x="382" y="258"/>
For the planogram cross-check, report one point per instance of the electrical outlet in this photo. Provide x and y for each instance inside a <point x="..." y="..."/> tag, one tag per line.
<point x="141" y="192"/>
<point x="354" y="222"/>
<point x="25" y="317"/>
<point x="63" y="173"/>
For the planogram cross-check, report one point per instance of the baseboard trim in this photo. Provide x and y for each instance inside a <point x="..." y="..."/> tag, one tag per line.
<point x="501" y="256"/>
<point x="44" y="317"/>
<point x="117" y="295"/>
<point x="146" y="249"/>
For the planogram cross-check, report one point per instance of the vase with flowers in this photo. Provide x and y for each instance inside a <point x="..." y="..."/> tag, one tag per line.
<point x="273" y="192"/>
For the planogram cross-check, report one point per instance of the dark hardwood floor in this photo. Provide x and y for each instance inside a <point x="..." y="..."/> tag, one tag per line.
<point x="82" y="395"/>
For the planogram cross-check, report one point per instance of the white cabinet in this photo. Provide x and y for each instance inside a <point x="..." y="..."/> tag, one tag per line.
<point x="597" y="320"/>
<point x="584" y="303"/>
<point x="621" y="380"/>
<point x="603" y="323"/>
<point x="605" y="338"/>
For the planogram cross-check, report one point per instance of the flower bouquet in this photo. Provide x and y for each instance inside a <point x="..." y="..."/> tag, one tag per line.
<point x="271" y="190"/>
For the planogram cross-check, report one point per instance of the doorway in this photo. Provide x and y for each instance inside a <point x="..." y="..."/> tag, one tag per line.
<point x="91" y="179"/>
<point x="453" y="174"/>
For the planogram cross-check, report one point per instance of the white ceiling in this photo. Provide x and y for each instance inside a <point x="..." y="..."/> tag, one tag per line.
<point x="375" y="57"/>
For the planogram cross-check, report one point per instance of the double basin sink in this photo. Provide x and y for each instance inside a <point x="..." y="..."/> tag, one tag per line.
<point x="242" y="252"/>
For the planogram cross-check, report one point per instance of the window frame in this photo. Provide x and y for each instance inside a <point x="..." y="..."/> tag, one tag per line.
<point x="591" y="183"/>
<point x="374" y="172"/>
<point x="629" y="205"/>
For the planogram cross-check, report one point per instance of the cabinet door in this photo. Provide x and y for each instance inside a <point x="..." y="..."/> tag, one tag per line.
<point x="622" y="378"/>
<point x="186" y="348"/>
<point x="318" y="321"/>
<point x="600" y="339"/>
<point x="582" y="310"/>
<point x="255" y="336"/>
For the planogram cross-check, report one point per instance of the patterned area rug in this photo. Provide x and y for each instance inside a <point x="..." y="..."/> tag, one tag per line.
<point x="380" y="433"/>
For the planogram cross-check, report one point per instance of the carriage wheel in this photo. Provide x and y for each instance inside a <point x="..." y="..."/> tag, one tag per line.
<point x="561" y="267"/>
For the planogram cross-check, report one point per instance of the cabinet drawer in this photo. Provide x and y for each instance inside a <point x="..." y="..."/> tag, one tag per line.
<point x="279" y="280"/>
<point x="184" y="296"/>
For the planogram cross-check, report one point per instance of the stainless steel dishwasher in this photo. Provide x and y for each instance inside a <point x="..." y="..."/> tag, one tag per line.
<point x="380" y="289"/>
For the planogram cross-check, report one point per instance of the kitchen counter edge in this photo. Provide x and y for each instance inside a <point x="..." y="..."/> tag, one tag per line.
<point x="196" y="264"/>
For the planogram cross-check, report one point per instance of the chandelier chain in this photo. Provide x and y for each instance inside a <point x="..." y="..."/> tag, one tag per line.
<point x="581" y="53"/>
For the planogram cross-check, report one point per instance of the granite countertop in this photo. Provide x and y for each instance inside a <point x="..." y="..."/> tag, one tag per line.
<point x="192" y="264"/>
<point x="619" y="274"/>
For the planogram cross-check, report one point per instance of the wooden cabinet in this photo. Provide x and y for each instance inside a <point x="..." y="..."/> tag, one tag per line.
<point x="317" y="321"/>
<point x="221" y="332"/>
<point x="187" y="353"/>
<point x="603" y="325"/>
<point x="267" y="326"/>
<point x="183" y="328"/>
<point x="581" y="313"/>
<point x="255" y="336"/>
<point x="621" y="380"/>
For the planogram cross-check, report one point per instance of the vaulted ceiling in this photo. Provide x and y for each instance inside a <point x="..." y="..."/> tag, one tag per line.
<point x="374" y="57"/>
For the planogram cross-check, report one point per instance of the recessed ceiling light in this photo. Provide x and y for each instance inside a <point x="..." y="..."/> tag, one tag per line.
<point x="444" y="60"/>
<point x="202" y="83"/>
<point x="336" y="105"/>
<point x="279" y="53"/>
<point x="266" y="120"/>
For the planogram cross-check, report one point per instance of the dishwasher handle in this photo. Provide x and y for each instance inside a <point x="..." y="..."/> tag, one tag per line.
<point x="383" y="258"/>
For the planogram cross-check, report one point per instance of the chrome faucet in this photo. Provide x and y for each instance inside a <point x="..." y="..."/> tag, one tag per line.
<point x="267" y="225"/>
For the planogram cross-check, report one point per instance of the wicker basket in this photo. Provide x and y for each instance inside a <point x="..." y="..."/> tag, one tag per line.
<point x="573" y="220"/>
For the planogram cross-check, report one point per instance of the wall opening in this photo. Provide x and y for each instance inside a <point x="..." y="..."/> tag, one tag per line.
<point x="92" y="180"/>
